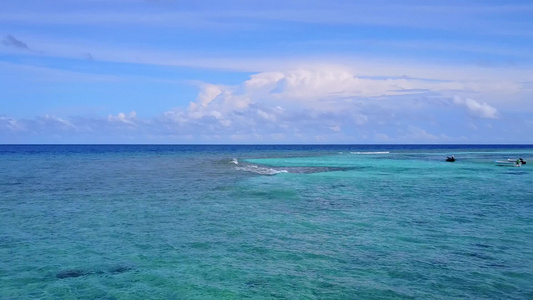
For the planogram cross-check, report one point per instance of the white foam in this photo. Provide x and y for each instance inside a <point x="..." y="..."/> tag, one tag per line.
<point x="260" y="170"/>
<point x="379" y="152"/>
<point x="234" y="161"/>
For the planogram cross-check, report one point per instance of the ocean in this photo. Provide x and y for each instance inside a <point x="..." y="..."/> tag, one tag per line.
<point x="265" y="222"/>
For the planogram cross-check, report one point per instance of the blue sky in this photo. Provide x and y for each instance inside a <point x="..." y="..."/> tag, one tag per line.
<point x="337" y="71"/>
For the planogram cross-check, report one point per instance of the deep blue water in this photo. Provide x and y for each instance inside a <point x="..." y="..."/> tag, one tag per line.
<point x="265" y="222"/>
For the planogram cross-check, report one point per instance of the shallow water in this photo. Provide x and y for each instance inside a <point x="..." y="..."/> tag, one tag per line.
<point x="263" y="222"/>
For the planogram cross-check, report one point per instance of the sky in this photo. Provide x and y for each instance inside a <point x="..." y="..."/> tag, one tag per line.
<point x="266" y="72"/>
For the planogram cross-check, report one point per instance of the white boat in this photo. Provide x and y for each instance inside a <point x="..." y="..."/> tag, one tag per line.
<point x="509" y="162"/>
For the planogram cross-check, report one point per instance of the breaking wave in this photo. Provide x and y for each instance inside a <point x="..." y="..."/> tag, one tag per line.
<point x="379" y="152"/>
<point x="264" y="170"/>
<point x="260" y="170"/>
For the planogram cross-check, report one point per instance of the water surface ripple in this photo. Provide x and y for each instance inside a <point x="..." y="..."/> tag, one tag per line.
<point x="265" y="222"/>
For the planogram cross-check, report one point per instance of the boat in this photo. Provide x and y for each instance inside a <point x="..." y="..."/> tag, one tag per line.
<point x="450" y="158"/>
<point x="510" y="162"/>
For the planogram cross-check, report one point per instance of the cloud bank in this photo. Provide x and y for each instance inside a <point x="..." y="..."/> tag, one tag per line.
<point x="313" y="105"/>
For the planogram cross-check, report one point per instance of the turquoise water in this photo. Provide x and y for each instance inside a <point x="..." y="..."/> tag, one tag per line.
<point x="265" y="222"/>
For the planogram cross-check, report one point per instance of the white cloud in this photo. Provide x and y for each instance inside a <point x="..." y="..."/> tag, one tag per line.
<point x="50" y="122"/>
<point x="122" y="118"/>
<point x="11" y="125"/>
<point x="321" y="83"/>
<point x="276" y="96"/>
<point x="329" y="104"/>
<point x="329" y="87"/>
<point x="207" y="94"/>
<point x="317" y="101"/>
<point x="267" y="116"/>
<point x="475" y="108"/>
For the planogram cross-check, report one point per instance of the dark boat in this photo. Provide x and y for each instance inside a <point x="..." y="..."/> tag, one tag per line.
<point x="450" y="158"/>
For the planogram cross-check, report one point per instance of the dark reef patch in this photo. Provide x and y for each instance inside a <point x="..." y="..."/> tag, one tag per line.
<point x="113" y="270"/>
<point x="118" y="269"/>
<point x="70" y="273"/>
